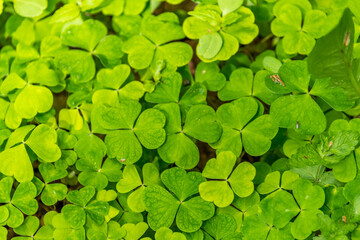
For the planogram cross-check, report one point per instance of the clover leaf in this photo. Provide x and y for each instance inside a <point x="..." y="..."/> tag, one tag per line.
<point x="179" y="146"/>
<point x="63" y="229"/>
<point x="299" y="34"/>
<point x="20" y="165"/>
<point x="165" y="233"/>
<point x="239" y="130"/>
<point x="272" y="182"/>
<point x="131" y="181"/>
<point x="147" y="131"/>
<point x="134" y="231"/>
<point x="75" y="214"/>
<point x="155" y="43"/>
<point x="242" y="83"/>
<point x="190" y="211"/>
<point x="91" y="36"/>
<point x="30" y="8"/>
<point x="221" y="226"/>
<point x="220" y="36"/>
<point x="113" y="86"/>
<point x="308" y="119"/>
<point x="241" y="208"/>
<point x="209" y="74"/>
<point x="255" y="225"/>
<point x="94" y="172"/>
<point x="279" y="208"/>
<point x="22" y="201"/>
<point x="28" y="227"/>
<point x="238" y="181"/>
<point x="169" y="89"/>
<point x="309" y="203"/>
<point x="113" y="231"/>
<point x="27" y="100"/>
<point x="56" y="191"/>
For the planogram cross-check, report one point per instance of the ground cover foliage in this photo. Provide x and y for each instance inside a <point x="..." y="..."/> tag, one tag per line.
<point x="175" y="120"/>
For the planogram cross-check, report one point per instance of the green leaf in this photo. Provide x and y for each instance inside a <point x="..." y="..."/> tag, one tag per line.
<point x="130" y="179"/>
<point x="81" y="197"/>
<point x="209" y="74"/>
<point x="6" y="185"/>
<point x="86" y="35"/>
<point x="209" y="45"/>
<point x="257" y="135"/>
<point x="53" y="193"/>
<point x="176" y="53"/>
<point x="241" y="179"/>
<point x="23" y="198"/>
<point x="30" y="8"/>
<point x="332" y="57"/>
<point x="239" y="85"/>
<point x="228" y="6"/>
<point x="109" y="51"/>
<point x="74" y="215"/>
<point x="43" y="141"/>
<point x="310" y="202"/>
<point x="28" y="227"/>
<point x="334" y="96"/>
<point x="51" y="173"/>
<point x="149" y="128"/>
<point x="11" y="82"/>
<point x="299" y="112"/>
<point x="134" y="231"/>
<point x="279" y="208"/>
<point x="65" y="13"/>
<point x="182" y="184"/>
<point x="32" y="100"/>
<point x="79" y="64"/>
<point x="130" y="149"/>
<point x="140" y="52"/>
<point x="167" y="234"/>
<point x="162" y="29"/>
<point x="180" y="149"/>
<point x="201" y="124"/>
<point x="189" y="213"/>
<point x="16" y="162"/>
<point x="222" y="227"/>
<point x="161" y="206"/>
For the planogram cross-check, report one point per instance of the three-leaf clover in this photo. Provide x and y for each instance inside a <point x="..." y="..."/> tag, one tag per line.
<point x="156" y="43"/>
<point x="169" y="88"/>
<point x="75" y="214"/>
<point x="26" y="100"/>
<point x="297" y="109"/>
<point x="220" y="36"/>
<point x="15" y="161"/>
<point x="299" y="34"/>
<point x="242" y="127"/>
<point x="132" y="181"/>
<point x="225" y="180"/>
<point x="94" y="172"/>
<point x="162" y="206"/>
<point x="90" y="36"/>
<point x="118" y="121"/>
<point x="200" y="124"/>
<point x="22" y="201"/>
<point x="113" y="86"/>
